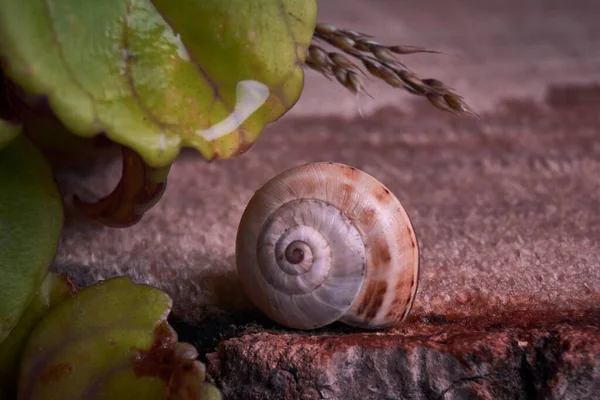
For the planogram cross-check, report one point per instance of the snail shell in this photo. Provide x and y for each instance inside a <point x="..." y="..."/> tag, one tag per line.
<point x="326" y="242"/>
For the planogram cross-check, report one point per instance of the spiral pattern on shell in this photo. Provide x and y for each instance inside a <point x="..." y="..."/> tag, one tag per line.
<point x="326" y="242"/>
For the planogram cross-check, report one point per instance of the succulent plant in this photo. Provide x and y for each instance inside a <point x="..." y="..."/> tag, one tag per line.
<point x="151" y="78"/>
<point x="54" y="289"/>
<point x="111" y="340"/>
<point x="31" y="218"/>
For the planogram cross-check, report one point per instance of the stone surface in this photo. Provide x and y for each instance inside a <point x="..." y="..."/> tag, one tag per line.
<point x="521" y="358"/>
<point x="505" y="208"/>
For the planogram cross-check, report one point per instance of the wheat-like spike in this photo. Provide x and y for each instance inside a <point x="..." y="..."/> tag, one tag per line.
<point x="379" y="61"/>
<point x="342" y="61"/>
<point x="318" y="59"/>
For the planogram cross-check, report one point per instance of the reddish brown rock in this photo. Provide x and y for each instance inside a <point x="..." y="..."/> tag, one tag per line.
<point x="553" y="359"/>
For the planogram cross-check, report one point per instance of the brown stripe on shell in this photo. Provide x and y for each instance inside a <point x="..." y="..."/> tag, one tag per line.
<point x="373" y="299"/>
<point x="410" y="235"/>
<point x="381" y="256"/>
<point x="412" y="239"/>
<point x="398" y="309"/>
<point x="403" y="292"/>
<point x="351" y="173"/>
<point x="382" y="194"/>
<point x="391" y="254"/>
<point x="345" y="195"/>
<point x="401" y="287"/>
<point x="367" y="217"/>
<point x="415" y="255"/>
<point x="404" y="282"/>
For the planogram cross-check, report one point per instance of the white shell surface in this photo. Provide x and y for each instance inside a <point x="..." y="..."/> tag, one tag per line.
<point x="360" y="261"/>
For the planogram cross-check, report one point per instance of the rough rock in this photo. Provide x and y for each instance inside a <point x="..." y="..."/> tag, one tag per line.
<point x="524" y="358"/>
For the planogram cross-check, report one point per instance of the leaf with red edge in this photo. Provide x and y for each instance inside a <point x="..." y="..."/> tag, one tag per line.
<point x="109" y="341"/>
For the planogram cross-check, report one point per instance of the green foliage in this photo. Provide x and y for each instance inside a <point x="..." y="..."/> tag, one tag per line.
<point x="31" y="219"/>
<point x="207" y="74"/>
<point x="112" y="341"/>
<point x="8" y="132"/>
<point x="54" y="290"/>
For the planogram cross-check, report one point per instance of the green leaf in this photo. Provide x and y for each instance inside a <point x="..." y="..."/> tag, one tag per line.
<point x="54" y="290"/>
<point x="206" y="74"/>
<point x="31" y="218"/>
<point x="8" y="132"/>
<point x="109" y="341"/>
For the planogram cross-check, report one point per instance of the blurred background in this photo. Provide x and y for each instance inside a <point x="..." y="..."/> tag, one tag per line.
<point x="492" y="49"/>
